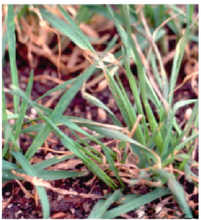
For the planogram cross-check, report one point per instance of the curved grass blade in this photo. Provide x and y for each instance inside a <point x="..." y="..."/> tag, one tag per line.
<point x="177" y="62"/>
<point x="109" y="132"/>
<point x="63" y="27"/>
<point x="177" y="190"/>
<point x="32" y="172"/>
<point x="179" y="146"/>
<point x="82" y="39"/>
<point x="134" y="204"/>
<point x="58" y="111"/>
<point x="172" y="113"/>
<point x="70" y="144"/>
<point x="59" y="87"/>
<point x="100" y="104"/>
<point x="47" y="163"/>
<point x="44" y="174"/>
<point x="98" y="213"/>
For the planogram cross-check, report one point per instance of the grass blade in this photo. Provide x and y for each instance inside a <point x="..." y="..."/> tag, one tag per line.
<point x="12" y="52"/>
<point x="81" y="38"/>
<point x="100" y="104"/>
<point x="47" y="163"/>
<point x="59" y="87"/>
<point x="177" y="63"/>
<point x="58" y="111"/>
<point x="23" y="108"/>
<point x="59" y="174"/>
<point x="134" y="204"/>
<point x="177" y="190"/>
<point x="98" y="213"/>
<point x="69" y="144"/>
<point x="4" y="115"/>
<point x="31" y="172"/>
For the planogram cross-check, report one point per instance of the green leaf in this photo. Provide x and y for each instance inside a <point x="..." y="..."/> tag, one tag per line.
<point x="47" y="163"/>
<point x="59" y="110"/>
<point x="177" y="62"/>
<point x="12" y="52"/>
<point x="80" y="37"/>
<point x="8" y="166"/>
<point x="4" y="115"/>
<point x="134" y="204"/>
<point x="59" y="174"/>
<point x="32" y="172"/>
<point x="98" y="213"/>
<point x="57" y="88"/>
<point x="23" y="108"/>
<point x="68" y="143"/>
<point x="171" y="116"/>
<point x="189" y="10"/>
<point x="100" y="104"/>
<point x="177" y="190"/>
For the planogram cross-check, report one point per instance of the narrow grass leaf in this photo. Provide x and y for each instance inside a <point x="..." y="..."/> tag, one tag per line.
<point x="32" y="128"/>
<point x="189" y="123"/>
<point x="136" y="95"/>
<point x="177" y="190"/>
<point x="98" y="213"/>
<point x="12" y="52"/>
<point x="179" y="146"/>
<point x="80" y="37"/>
<point x="134" y="204"/>
<point x="84" y="14"/>
<point x="8" y="165"/>
<point x="107" y="151"/>
<point x="59" y="174"/>
<point x="97" y="206"/>
<point x="69" y="144"/>
<point x="128" y="198"/>
<point x="189" y="10"/>
<point x="100" y="104"/>
<point x="63" y="27"/>
<point x="23" y="108"/>
<point x="31" y="172"/>
<point x="142" y="80"/>
<point x="172" y="113"/>
<point x="49" y="162"/>
<point x="59" y="110"/>
<point x="177" y="63"/>
<point x="57" y="88"/>
<point x="108" y="132"/>
<point x="4" y="115"/>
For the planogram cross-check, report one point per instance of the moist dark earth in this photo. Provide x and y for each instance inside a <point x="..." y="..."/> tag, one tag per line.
<point x="76" y="207"/>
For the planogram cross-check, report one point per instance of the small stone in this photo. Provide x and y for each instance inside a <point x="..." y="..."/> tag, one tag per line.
<point x="102" y="114"/>
<point x="33" y="111"/>
<point x="10" y="205"/>
<point x="49" y="156"/>
<point x="86" y="207"/>
<point x="88" y="115"/>
<point x="18" y="213"/>
<point x="105" y="191"/>
<point x="188" y="114"/>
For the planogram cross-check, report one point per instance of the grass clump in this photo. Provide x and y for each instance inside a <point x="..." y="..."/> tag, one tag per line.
<point x="147" y="149"/>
